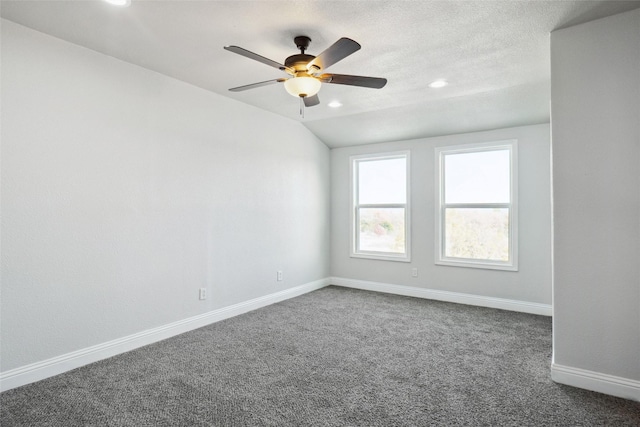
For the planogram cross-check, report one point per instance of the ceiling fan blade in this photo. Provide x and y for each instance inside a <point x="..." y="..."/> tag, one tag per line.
<point x="310" y="101"/>
<point x="344" y="79"/>
<point x="334" y="53"/>
<point x="256" y="57"/>
<point x="255" y="85"/>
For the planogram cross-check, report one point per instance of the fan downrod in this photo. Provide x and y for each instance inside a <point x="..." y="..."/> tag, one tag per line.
<point x="302" y="42"/>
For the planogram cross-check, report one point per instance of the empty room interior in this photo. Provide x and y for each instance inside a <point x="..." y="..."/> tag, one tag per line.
<point x="320" y="213"/>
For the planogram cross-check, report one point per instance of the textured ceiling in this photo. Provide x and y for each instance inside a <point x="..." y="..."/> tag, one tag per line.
<point x="495" y="55"/>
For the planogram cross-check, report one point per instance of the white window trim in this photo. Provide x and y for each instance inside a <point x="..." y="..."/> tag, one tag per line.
<point x="385" y="256"/>
<point x="441" y="259"/>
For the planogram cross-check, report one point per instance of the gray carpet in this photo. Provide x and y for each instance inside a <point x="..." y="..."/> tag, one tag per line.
<point x="333" y="357"/>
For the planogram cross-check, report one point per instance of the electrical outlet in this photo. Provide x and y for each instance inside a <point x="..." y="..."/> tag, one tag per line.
<point x="414" y="272"/>
<point x="279" y="275"/>
<point x="203" y="293"/>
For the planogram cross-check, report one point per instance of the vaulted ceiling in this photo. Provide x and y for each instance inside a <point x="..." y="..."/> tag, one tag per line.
<point x="494" y="55"/>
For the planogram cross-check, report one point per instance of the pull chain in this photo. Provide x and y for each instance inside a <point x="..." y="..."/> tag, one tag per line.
<point x="302" y="107"/>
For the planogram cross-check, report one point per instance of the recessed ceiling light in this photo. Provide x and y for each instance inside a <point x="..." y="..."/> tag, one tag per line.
<point x="121" y="3"/>
<point x="438" y="83"/>
<point x="335" y="104"/>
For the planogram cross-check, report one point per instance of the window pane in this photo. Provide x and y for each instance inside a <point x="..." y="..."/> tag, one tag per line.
<point x="381" y="230"/>
<point x="478" y="233"/>
<point x="480" y="177"/>
<point x="382" y="181"/>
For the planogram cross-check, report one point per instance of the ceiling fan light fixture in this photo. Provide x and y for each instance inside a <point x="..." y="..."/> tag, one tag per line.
<point x="304" y="81"/>
<point x="302" y="86"/>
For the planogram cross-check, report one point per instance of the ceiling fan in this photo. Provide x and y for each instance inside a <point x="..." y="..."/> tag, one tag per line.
<point x="305" y="71"/>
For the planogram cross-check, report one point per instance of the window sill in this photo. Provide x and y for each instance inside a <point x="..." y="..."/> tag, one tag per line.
<point x="478" y="264"/>
<point x="382" y="257"/>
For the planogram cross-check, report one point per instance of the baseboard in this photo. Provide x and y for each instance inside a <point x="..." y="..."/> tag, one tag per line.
<point x="47" y="368"/>
<point x="460" y="298"/>
<point x="595" y="381"/>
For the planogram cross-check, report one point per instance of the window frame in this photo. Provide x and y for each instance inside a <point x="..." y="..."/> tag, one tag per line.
<point x="440" y="206"/>
<point x="355" y="207"/>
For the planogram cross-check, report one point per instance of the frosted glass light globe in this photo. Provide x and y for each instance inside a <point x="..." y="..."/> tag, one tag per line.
<point x="302" y="86"/>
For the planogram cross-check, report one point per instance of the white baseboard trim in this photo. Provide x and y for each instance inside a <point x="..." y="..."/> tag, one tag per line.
<point x="47" y="368"/>
<point x="595" y="381"/>
<point x="460" y="298"/>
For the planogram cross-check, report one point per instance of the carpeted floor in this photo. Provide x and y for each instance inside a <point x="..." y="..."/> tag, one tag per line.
<point x="333" y="357"/>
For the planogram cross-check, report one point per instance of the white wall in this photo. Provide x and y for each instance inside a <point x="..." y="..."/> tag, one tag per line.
<point x="124" y="191"/>
<point x="532" y="283"/>
<point x="595" y="69"/>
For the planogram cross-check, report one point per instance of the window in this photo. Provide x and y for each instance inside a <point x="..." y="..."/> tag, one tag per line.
<point x="380" y="210"/>
<point x="476" y="205"/>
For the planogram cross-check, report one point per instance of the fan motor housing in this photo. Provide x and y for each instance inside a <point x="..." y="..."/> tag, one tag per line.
<point x="298" y="62"/>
